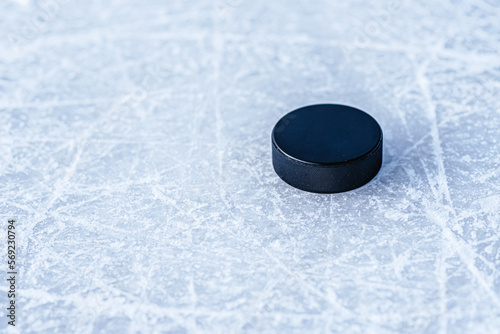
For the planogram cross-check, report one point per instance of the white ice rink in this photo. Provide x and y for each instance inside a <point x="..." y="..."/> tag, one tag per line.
<point x="135" y="153"/>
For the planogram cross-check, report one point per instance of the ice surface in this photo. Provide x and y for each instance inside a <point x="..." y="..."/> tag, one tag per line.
<point x="135" y="153"/>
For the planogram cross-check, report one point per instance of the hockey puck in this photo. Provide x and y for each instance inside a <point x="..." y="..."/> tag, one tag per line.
<point x="327" y="148"/>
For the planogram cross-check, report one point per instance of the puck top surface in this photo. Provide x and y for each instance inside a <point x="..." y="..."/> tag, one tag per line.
<point x="327" y="134"/>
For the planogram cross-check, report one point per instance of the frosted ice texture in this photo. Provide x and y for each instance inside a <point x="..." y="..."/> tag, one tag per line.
<point x="135" y="152"/>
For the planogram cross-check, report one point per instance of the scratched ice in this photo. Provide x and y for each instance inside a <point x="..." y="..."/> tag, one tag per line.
<point x="135" y="152"/>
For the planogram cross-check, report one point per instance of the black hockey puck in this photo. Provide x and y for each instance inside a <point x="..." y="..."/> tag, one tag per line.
<point x="327" y="148"/>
